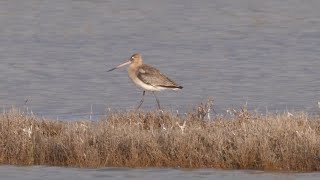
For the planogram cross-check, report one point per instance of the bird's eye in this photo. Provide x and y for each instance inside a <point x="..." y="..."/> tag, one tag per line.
<point x="132" y="58"/>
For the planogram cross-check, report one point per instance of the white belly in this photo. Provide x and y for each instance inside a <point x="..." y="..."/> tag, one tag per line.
<point x="144" y="86"/>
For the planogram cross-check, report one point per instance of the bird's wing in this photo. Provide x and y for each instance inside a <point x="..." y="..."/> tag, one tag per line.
<point x="152" y="76"/>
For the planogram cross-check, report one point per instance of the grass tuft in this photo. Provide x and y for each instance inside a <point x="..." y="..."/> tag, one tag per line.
<point x="242" y="140"/>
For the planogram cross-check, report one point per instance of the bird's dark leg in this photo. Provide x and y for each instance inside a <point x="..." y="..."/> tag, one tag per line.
<point x="158" y="102"/>
<point x="141" y="100"/>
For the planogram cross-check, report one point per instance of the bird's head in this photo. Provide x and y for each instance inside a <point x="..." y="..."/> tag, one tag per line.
<point x="135" y="60"/>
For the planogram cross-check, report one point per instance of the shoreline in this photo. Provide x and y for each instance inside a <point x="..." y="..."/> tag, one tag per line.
<point x="243" y="140"/>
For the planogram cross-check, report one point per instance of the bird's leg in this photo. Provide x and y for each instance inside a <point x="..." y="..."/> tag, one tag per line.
<point x="141" y="100"/>
<point x="156" y="99"/>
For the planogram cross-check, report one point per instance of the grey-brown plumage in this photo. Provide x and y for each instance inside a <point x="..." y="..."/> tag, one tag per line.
<point x="153" y="76"/>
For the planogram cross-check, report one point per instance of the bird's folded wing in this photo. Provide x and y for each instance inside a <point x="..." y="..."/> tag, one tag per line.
<point x="152" y="76"/>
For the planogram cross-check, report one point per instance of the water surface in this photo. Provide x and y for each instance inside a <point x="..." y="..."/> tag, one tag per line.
<point x="56" y="53"/>
<point x="53" y="173"/>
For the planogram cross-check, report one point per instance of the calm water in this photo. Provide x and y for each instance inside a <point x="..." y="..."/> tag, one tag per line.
<point x="55" y="173"/>
<point x="56" y="53"/>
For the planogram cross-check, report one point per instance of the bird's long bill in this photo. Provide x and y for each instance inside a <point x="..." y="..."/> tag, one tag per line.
<point x="126" y="63"/>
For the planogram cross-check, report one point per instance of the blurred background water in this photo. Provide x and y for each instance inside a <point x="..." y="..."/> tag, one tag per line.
<point x="55" y="173"/>
<point x="55" y="53"/>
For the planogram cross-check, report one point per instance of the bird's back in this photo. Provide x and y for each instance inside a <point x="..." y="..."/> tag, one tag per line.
<point x="154" y="77"/>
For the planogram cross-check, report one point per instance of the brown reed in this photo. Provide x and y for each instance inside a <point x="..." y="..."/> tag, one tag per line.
<point x="242" y="140"/>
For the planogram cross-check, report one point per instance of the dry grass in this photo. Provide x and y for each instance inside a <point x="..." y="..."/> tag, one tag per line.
<point x="242" y="140"/>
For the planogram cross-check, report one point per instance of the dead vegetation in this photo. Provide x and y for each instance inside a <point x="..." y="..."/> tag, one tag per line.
<point x="240" y="140"/>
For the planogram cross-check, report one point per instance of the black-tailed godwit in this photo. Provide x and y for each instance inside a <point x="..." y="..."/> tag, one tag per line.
<point x="147" y="77"/>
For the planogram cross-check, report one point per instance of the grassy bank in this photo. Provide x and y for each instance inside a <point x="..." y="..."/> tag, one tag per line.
<point x="243" y="140"/>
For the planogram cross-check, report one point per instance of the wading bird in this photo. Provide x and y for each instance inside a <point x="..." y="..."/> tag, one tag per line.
<point x="147" y="77"/>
